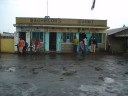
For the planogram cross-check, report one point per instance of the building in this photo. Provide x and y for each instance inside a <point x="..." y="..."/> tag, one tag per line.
<point x="118" y="39"/>
<point x="56" y="34"/>
<point x="7" y="42"/>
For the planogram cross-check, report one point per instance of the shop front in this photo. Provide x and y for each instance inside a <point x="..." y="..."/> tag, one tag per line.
<point x="56" y="34"/>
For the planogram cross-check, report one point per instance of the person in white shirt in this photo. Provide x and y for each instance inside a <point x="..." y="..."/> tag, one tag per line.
<point x="85" y="43"/>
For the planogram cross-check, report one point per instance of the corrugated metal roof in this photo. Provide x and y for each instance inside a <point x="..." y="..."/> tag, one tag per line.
<point x="122" y="34"/>
<point x="116" y="30"/>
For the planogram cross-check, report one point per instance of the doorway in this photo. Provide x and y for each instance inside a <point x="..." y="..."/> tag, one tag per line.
<point x="22" y="35"/>
<point x="82" y="36"/>
<point x="52" y="41"/>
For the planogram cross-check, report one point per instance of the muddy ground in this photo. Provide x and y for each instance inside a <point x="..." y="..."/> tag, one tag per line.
<point x="63" y="75"/>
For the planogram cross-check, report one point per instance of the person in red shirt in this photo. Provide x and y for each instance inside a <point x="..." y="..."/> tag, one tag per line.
<point x="21" y="45"/>
<point x="37" y="44"/>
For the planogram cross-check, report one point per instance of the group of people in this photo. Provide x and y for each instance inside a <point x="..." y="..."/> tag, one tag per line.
<point x="35" y="43"/>
<point x="83" y="44"/>
<point x="22" y="46"/>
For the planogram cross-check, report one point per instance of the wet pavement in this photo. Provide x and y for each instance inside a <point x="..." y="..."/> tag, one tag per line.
<point x="63" y="75"/>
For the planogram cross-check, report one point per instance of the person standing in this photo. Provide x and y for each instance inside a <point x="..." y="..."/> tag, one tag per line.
<point x="75" y="44"/>
<point x="82" y="46"/>
<point x="25" y="47"/>
<point x="94" y="45"/>
<point x="85" y="43"/>
<point x="21" y="45"/>
<point x="91" y="44"/>
<point x="37" y="45"/>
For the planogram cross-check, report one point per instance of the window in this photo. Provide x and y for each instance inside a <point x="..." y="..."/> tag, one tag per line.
<point x="67" y="37"/>
<point x="98" y="37"/>
<point x="104" y="37"/>
<point x="38" y="35"/>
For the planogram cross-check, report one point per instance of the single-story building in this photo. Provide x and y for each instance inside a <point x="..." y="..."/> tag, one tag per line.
<point x="56" y="34"/>
<point x="118" y="39"/>
<point x="7" y="42"/>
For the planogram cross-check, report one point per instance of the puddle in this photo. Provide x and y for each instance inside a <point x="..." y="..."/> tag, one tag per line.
<point x="68" y="73"/>
<point x="98" y="69"/>
<point x="11" y="69"/>
<point x="108" y="80"/>
<point x="36" y="70"/>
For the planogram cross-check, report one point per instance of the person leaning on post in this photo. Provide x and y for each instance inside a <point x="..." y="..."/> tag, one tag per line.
<point x="75" y="44"/>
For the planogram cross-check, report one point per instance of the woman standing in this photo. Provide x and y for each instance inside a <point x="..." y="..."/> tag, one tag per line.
<point x="82" y="46"/>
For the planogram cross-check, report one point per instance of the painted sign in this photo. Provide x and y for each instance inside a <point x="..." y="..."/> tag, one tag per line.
<point x="61" y="21"/>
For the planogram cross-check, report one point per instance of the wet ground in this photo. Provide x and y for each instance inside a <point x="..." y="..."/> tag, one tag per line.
<point x="63" y="75"/>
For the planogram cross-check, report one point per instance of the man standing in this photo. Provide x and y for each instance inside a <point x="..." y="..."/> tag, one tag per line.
<point x="85" y="43"/>
<point x="75" y="44"/>
<point x="91" y="44"/>
<point x="37" y="45"/>
<point x="94" y="45"/>
<point x="21" y="45"/>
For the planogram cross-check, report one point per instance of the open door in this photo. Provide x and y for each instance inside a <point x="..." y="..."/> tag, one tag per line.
<point x="22" y="35"/>
<point x="52" y="41"/>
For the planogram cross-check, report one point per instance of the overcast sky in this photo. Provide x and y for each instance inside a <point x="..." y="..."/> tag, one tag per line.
<point x="114" y="11"/>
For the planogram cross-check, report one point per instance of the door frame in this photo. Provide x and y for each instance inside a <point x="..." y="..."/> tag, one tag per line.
<point x="52" y="41"/>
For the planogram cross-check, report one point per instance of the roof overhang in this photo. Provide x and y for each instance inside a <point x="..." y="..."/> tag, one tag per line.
<point x="117" y="31"/>
<point x="26" y="25"/>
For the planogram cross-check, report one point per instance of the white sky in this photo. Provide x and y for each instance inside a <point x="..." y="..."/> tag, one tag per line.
<point x="114" y="11"/>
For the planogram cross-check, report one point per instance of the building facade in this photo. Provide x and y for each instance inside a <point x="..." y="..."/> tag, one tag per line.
<point x="118" y="39"/>
<point x="56" y="34"/>
<point x="7" y="42"/>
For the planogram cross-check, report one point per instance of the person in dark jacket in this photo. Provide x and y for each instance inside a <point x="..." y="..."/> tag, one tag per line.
<point x="94" y="45"/>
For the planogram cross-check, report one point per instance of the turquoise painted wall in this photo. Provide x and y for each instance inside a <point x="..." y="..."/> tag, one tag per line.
<point x="88" y="35"/>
